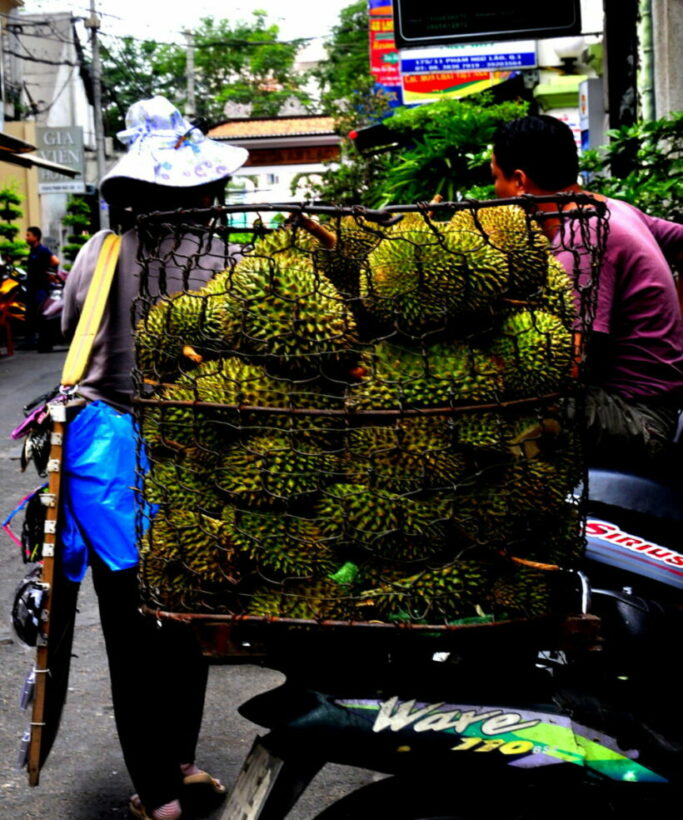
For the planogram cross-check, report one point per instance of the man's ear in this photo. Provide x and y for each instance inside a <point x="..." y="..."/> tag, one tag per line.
<point x="521" y="181"/>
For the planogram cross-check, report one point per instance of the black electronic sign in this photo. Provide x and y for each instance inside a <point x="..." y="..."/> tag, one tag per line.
<point x="437" y="22"/>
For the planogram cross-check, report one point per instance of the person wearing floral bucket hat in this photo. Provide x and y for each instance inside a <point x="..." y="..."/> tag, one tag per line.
<point x="167" y="151"/>
<point x="158" y="676"/>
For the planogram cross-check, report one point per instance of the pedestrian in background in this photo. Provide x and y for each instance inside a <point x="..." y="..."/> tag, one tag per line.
<point x="41" y="261"/>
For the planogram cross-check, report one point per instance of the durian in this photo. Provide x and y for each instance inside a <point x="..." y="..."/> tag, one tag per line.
<point x="436" y="595"/>
<point x="183" y="552"/>
<point x="280" y="545"/>
<point x="510" y="230"/>
<point x="413" y="454"/>
<point x="185" y="481"/>
<point x="381" y="523"/>
<point x="289" y="315"/>
<point x="188" y="319"/>
<point x="351" y="241"/>
<point x="440" y="375"/>
<point x="423" y="275"/>
<point x="536" y="350"/>
<point x="316" y="599"/>
<point x="521" y="592"/>
<point x="556" y="295"/>
<point x="270" y="470"/>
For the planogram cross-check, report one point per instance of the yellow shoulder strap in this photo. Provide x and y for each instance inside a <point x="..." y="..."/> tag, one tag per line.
<point x="93" y="309"/>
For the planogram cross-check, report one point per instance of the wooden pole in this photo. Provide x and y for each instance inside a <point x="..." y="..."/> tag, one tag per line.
<point x="41" y="669"/>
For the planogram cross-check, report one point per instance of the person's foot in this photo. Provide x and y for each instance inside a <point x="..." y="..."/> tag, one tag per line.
<point x="169" y="811"/>
<point x="194" y="776"/>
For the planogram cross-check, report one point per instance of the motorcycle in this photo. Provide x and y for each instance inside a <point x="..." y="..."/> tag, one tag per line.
<point x="13" y="289"/>
<point x="576" y="716"/>
<point x="12" y="306"/>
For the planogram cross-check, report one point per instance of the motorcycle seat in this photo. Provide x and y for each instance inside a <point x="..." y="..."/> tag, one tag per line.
<point x="637" y="493"/>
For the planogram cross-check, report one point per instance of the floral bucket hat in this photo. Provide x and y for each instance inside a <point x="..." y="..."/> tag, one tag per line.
<point x="165" y="149"/>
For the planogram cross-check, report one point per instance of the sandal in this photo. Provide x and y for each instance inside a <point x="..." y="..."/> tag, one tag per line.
<point x="204" y="779"/>
<point x="137" y="810"/>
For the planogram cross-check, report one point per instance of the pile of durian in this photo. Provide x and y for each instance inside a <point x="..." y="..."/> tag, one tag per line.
<point x="364" y="423"/>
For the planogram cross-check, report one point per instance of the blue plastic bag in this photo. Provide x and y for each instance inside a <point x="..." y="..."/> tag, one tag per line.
<point x="98" y="490"/>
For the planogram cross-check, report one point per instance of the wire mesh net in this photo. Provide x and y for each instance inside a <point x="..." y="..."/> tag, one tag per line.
<point x="364" y="416"/>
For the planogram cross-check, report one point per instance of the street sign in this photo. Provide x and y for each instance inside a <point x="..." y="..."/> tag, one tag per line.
<point x="471" y="57"/>
<point x="431" y="22"/>
<point x="384" y="58"/>
<point x="441" y="72"/>
<point x="64" y="145"/>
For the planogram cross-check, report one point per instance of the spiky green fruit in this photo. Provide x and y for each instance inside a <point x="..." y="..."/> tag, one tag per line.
<point x="541" y="483"/>
<point x="412" y="454"/>
<point x="521" y="592"/>
<point x="289" y="315"/>
<point x="440" y="375"/>
<point x="512" y="231"/>
<point x="200" y="542"/>
<point x="480" y="510"/>
<point x="511" y="434"/>
<point x="342" y="264"/>
<point x="423" y="276"/>
<point x="185" y="482"/>
<point x="271" y="470"/>
<point x="536" y="350"/>
<point x="192" y="318"/>
<point x="557" y="296"/>
<point x="181" y="426"/>
<point x="381" y="523"/>
<point x="434" y="595"/>
<point x="314" y="600"/>
<point x="182" y="554"/>
<point x="231" y="384"/>
<point x="286" y="238"/>
<point x="281" y="545"/>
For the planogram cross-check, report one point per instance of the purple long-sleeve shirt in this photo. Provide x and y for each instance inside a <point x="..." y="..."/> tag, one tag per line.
<point x="637" y="306"/>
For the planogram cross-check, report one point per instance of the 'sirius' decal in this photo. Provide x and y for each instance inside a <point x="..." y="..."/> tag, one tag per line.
<point x="609" y="544"/>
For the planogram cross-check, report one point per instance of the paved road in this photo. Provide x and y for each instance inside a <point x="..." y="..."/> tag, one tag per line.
<point x="84" y="778"/>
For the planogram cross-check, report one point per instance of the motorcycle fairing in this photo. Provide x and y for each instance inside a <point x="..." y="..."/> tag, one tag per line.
<point x="523" y="738"/>
<point x="607" y="543"/>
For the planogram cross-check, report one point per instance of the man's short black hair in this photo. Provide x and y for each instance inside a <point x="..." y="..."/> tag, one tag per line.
<point x="541" y="146"/>
<point x="36" y="232"/>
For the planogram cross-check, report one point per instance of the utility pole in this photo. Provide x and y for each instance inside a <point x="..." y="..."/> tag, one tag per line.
<point x="190" y="107"/>
<point x="93" y="23"/>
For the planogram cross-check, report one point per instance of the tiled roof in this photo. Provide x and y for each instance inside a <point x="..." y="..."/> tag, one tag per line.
<point x="277" y="127"/>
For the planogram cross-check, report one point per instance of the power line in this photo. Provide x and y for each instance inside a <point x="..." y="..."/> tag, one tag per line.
<point x="32" y="59"/>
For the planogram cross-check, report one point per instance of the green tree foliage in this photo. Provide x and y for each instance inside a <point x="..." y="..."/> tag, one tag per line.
<point x="344" y="76"/>
<point x="10" y="248"/>
<point x="348" y="93"/>
<point x="132" y="70"/>
<point x="235" y="62"/>
<point x="447" y="142"/>
<point x="654" y="151"/>
<point x="79" y="219"/>
<point x="448" y="152"/>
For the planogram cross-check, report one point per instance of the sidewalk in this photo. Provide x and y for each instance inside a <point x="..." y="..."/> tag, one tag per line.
<point x="84" y="778"/>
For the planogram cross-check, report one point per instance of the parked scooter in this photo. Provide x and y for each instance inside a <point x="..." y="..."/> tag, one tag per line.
<point x="51" y="308"/>
<point x="572" y="718"/>
<point x="12" y="307"/>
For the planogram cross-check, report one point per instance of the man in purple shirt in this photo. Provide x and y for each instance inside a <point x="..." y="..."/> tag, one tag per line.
<point x="635" y="354"/>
